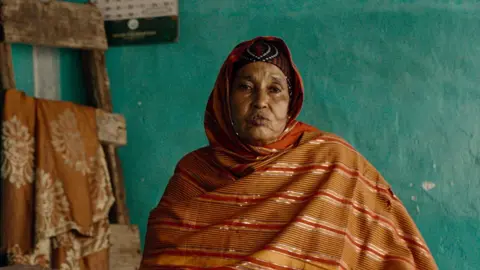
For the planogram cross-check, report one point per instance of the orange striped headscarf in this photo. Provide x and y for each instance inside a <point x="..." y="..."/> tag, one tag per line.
<point x="218" y="126"/>
<point x="307" y="201"/>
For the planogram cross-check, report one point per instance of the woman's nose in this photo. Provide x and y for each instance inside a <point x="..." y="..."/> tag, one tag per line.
<point x="261" y="99"/>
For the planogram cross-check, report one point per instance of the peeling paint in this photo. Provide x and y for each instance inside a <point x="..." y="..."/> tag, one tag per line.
<point x="427" y="186"/>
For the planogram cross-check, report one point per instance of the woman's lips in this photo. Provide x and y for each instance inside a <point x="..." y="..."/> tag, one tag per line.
<point x="258" y="121"/>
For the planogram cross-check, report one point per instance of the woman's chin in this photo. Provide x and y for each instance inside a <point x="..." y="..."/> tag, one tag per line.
<point x="259" y="137"/>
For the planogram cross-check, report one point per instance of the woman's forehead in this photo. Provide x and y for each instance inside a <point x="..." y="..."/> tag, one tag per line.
<point x="260" y="70"/>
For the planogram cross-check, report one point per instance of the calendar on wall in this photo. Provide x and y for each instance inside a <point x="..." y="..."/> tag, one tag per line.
<point x="139" y="21"/>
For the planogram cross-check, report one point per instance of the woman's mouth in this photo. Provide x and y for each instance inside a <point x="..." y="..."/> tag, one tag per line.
<point x="258" y="121"/>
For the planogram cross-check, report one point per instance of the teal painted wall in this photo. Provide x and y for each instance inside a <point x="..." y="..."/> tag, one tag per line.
<point x="71" y="80"/>
<point x="397" y="79"/>
<point x="23" y="67"/>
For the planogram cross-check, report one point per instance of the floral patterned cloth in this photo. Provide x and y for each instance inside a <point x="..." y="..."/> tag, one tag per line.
<point x="56" y="191"/>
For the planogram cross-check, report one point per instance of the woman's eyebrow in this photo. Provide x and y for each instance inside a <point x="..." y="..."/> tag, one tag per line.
<point x="246" y="77"/>
<point x="277" y="79"/>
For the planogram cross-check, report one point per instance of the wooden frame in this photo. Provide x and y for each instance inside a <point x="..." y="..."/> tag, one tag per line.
<point x="41" y="22"/>
<point x="98" y="87"/>
<point x="70" y="25"/>
<point x="53" y="23"/>
<point x="22" y="267"/>
<point x="7" y="78"/>
<point x="125" y="247"/>
<point x="111" y="128"/>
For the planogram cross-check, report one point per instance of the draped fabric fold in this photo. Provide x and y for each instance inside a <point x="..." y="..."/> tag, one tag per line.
<point x="306" y="201"/>
<point x="56" y="191"/>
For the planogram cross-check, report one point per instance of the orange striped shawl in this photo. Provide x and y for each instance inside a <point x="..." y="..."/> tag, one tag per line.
<point x="319" y="205"/>
<point x="307" y="201"/>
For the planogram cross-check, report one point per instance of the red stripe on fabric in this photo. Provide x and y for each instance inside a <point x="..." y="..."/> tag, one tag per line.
<point x="376" y="217"/>
<point x="355" y="173"/>
<point x="217" y="197"/>
<point x="360" y="209"/>
<point x="298" y="169"/>
<point x="232" y="223"/>
<point x="300" y="220"/>
<point x="416" y="243"/>
<point x="332" y="139"/>
<point x="189" y="267"/>
<point x="233" y="198"/>
<point x="229" y="198"/>
<point x="203" y="254"/>
<point x="254" y="261"/>
<point x="396" y="258"/>
<point x="350" y="172"/>
<point x="185" y="175"/>
<point x="254" y="226"/>
<point x="373" y="215"/>
<point x="267" y="264"/>
<point x="304" y="257"/>
<point x="182" y="225"/>
<point x="364" y="247"/>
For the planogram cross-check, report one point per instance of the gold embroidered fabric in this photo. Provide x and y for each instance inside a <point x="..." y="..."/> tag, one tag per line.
<point x="56" y="191"/>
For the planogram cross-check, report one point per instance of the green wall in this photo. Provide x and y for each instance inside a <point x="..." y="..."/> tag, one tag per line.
<point x="23" y="67"/>
<point x="397" y="79"/>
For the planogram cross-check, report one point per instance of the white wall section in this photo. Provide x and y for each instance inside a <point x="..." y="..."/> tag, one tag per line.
<point x="46" y="71"/>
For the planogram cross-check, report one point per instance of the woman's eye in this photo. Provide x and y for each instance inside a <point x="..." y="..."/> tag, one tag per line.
<point x="244" y="87"/>
<point x="275" y="90"/>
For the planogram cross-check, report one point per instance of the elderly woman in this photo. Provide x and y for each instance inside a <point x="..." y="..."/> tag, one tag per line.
<point x="270" y="192"/>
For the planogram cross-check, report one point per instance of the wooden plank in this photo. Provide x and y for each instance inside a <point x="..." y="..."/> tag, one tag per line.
<point x="111" y="128"/>
<point x="96" y="79"/>
<point x="7" y="79"/>
<point x="125" y="251"/>
<point x="23" y="267"/>
<point x="53" y="23"/>
<point x="98" y="87"/>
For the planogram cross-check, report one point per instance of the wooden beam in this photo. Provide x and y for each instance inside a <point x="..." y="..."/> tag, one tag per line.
<point x="53" y="23"/>
<point x="111" y="128"/>
<point x="124" y="250"/>
<point x="23" y="267"/>
<point x="7" y="79"/>
<point x="98" y="87"/>
<point x="96" y="79"/>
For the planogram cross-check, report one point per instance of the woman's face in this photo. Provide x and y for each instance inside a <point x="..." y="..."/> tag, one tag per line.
<point x="259" y="100"/>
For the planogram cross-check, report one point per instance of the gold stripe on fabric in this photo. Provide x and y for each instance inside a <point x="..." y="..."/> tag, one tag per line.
<point x="186" y="262"/>
<point x="237" y="224"/>
<point x="322" y="168"/>
<point x="241" y="241"/>
<point x="292" y="257"/>
<point x="313" y="224"/>
<point x="335" y="242"/>
<point x="296" y="210"/>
